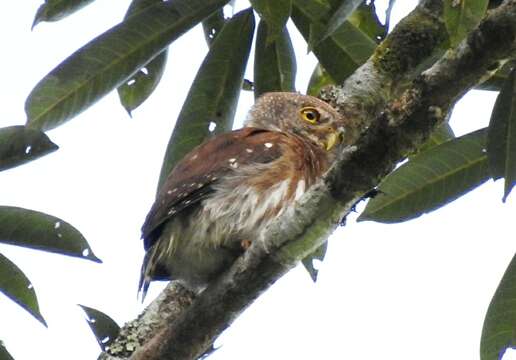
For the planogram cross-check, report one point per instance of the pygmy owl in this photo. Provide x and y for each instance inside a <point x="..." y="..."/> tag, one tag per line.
<point x="222" y="194"/>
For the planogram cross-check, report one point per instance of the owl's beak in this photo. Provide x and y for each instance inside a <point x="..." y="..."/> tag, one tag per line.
<point x="334" y="138"/>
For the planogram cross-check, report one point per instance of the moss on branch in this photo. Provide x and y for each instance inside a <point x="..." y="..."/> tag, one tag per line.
<point x="392" y="117"/>
<point x="412" y="43"/>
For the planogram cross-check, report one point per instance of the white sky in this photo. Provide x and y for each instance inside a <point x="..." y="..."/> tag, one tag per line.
<point x="415" y="290"/>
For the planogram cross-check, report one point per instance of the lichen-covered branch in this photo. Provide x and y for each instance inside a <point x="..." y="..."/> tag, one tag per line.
<point x="395" y="104"/>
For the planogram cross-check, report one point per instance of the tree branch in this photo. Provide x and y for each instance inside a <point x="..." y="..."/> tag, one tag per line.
<point x="391" y="120"/>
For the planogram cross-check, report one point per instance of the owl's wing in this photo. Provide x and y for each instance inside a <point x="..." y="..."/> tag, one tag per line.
<point x="193" y="177"/>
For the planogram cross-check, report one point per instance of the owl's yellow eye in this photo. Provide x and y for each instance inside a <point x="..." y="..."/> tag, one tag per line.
<point x="310" y="114"/>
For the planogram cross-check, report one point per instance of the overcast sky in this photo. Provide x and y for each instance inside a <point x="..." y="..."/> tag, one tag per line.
<point x="417" y="290"/>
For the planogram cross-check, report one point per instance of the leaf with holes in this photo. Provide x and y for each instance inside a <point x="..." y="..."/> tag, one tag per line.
<point x="366" y="19"/>
<point x="17" y="287"/>
<point x="342" y="52"/>
<point x="142" y="84"/>
<point x="499" y="331"/>
<point x="53" y="10"/>
<point x="317" y="255"/>
<point x="275" y="13"/>
<point x="210" y="106"/>
<point x="430" y="180"/>
<point x="501" y="136"/>
<point x="461" y="16"/>
<point x="35" y="230"/>
<point x="319" y="79"/>
<point x="19" y="145"/>
<point x="109" y="60"/>
<point x="274" y="62"/>
<point x="4" y="354"/>
<point x="341" y="14"/>
<point x="212" y="26"/>
<point x="103" y="327"/>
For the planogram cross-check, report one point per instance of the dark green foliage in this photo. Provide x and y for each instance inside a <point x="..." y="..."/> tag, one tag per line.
<point x="35" y="230"/>
<point x="499" y="332"/>
<point x="501" y="137"/>
<point x="275" y="13"/>
<point x="213" y="97"/>
<point x="340" y="53"/>
<point x="430" y="180"/>
<point x="339" y="16"/>
<point x="212" y="26"/>
<point x="19" y="145"/>
<point x="462" y="16"/>
<point x="4" y="354"/>
<point x="496" y="81"/>
<point x="103" y="327"/>
<point x="366" y="19"/>
<point x="319" y="79"/>
<point x="53" y="10"/>
<point x="440" y="135"/>
<point x="141" y="85"/>
<point x="109" y="60"/>
<point x="274" y="62"/>
<point x="16" y="286"/>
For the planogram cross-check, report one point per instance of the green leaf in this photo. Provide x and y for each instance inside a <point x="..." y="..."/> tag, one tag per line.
<point x="499" y="331"/>
<point x="213" y="97"/>
<point x="319" y="79"/>
<point x="53" y="10"/>
<point x="110" y="59"/>
<point x="342" y="52"/>
<point x="142" y="84"/>
<point x="317" y="10"/>
<point x="317" y="255"/>
<point x="495" y="82"/>
<point x="501" y="136"/>
<point x="440" y="135"/>
<point x="212" y="26"/>
<point x="35" y="230"/>
<point x="430" y="180"/>
<point x="275" y="13"/>
<point x="17" y="287"/>
<point x="19" y="145"/>
<point x="341" y="14"/>
<point x="4" y="354"/>
<point x="103" y="327"/>
<point x="366" y="19"/>
<point x="274" y="62"/>
<point x="461" y="16"/>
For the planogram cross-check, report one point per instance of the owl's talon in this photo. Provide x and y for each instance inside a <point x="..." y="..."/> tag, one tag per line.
<point x="245" y="244"/>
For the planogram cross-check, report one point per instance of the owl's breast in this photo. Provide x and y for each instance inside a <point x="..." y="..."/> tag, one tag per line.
<point x="251" y="207"/>
<point x="246" y="202"/>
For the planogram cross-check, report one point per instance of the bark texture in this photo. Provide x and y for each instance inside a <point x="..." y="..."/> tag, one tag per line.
<point x="395" y="99"/>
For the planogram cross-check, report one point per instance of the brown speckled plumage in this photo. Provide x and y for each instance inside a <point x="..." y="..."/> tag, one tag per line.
<point x="228" y="189"/>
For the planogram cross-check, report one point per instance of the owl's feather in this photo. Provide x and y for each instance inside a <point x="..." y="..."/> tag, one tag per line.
<point x="226" y="191"/>
<point x="193" y="178"/>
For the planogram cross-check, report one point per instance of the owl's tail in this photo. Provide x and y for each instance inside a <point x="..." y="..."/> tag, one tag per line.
<point x="145" y="276"/>
<point x="152" y="269"/>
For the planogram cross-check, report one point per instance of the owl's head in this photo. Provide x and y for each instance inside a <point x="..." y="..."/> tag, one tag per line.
<point x="301" y="115"/>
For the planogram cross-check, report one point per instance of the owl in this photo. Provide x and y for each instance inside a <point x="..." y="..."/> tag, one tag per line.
<point x="223" y="193"/>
